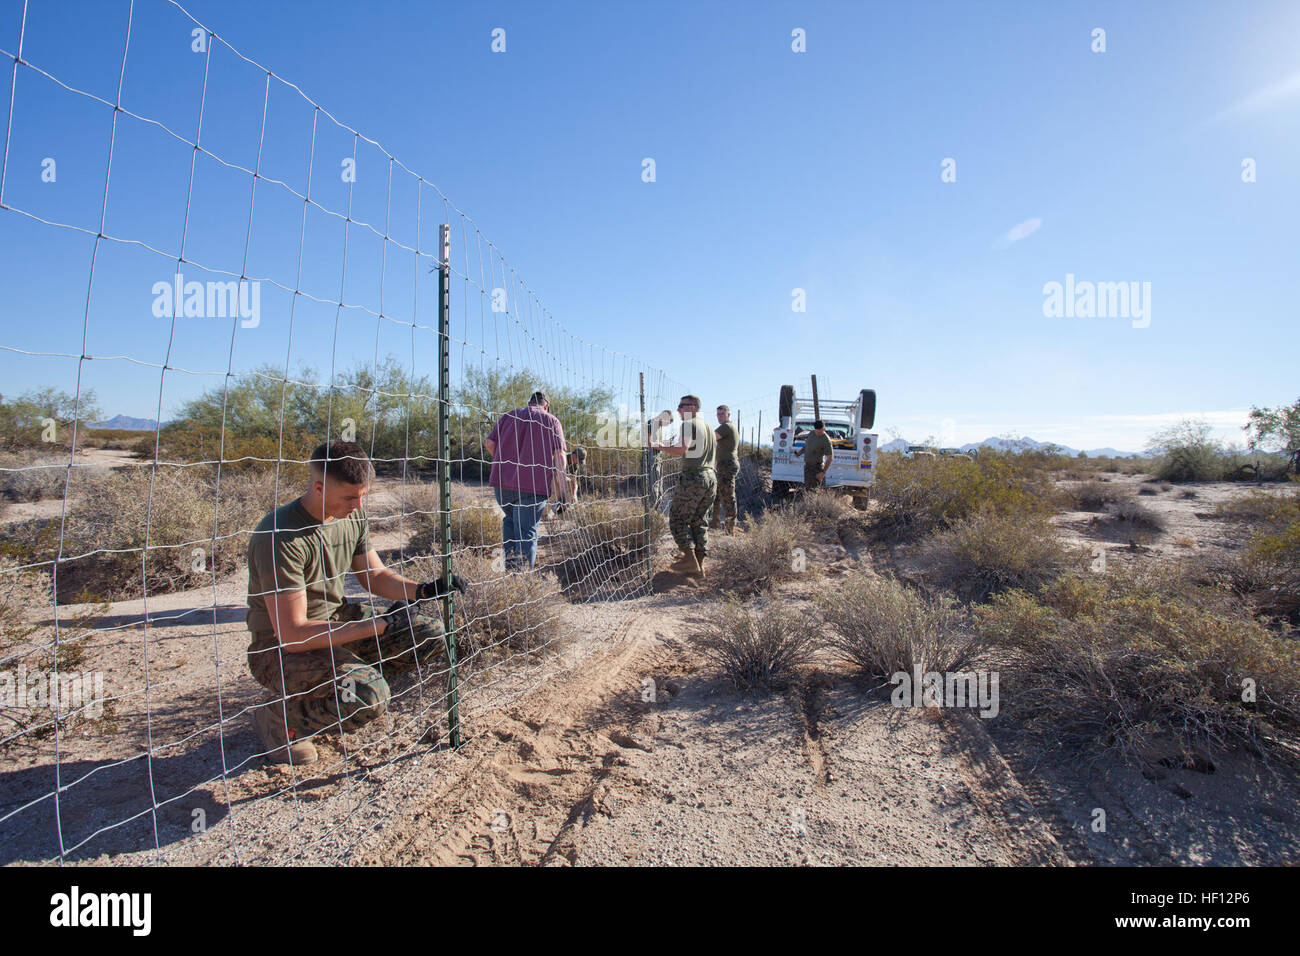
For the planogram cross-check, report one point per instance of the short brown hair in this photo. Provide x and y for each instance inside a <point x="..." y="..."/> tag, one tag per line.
<point x="344" y="461"/>
<point x="691" y="400"/>
<point x="724" y="408"/>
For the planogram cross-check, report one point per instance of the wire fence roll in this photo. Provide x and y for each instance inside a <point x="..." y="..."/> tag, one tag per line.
<point x="261" y="280"/>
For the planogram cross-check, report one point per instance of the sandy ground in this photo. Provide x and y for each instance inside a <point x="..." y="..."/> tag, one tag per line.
<point x="622" y="748"/>
<point x="1191" y="527"/>
<point x="587" y="771"/>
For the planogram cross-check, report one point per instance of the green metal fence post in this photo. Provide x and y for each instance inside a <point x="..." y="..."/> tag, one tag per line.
<point x="444" y="477"/>
<point x="646" y="487"/>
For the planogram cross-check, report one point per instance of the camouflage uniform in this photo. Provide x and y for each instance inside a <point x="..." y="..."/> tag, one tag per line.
<point x="817" y="451"/>
<point x="728" y="464"/>
<point x="345" y="687"/>
<point x="696" y="487"/>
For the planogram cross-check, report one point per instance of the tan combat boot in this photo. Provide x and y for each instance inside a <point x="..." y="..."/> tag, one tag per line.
<point x="268" y="721"/>
<point x="686" y="563"/>
<point x="699" y="563"/>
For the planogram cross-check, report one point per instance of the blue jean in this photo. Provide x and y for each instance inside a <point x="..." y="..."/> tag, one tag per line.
<point x="519" y="526"/>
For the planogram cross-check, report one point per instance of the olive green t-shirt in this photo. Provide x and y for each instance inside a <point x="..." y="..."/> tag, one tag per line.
<point x="816" y="449"/>
<point x="700" y="445"/>
<point x="291" y="551"/>
<point x="727" y="455"/>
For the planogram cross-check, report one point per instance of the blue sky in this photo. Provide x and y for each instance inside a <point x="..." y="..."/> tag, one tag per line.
<point x="774" y="171"/>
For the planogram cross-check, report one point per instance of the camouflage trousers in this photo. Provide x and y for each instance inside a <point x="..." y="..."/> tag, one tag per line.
<point x="725" y="499"/>
<point x="345" y="687"/>
<point x="813" y="478"/>
<point x="688" y="518"/>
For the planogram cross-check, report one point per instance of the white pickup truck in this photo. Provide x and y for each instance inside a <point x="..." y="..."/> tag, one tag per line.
<point x="854" y="445"/>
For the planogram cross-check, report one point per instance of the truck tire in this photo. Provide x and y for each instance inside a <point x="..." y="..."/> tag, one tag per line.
<point x="867" y="399"/>
<point x="786" y="407"/>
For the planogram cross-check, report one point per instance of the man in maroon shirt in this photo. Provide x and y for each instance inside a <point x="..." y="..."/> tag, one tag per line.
<point x="527" y="449"/>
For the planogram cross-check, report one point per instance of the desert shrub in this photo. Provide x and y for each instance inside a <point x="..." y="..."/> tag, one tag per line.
<point x="1138" y="516"/>
<point x="1187" y="452"/>
<point x="187" y="442"/>
<point x="1267" y="573"/>
<point x="1267" y="512"/>
<point x="757" y="647"/>
<point x="1140" y="664"/>
<point x="1147" y="490"/>
<point x="416" y="504"/>
<point x="913" y="497"/>
<point x="473" y="525"/>
<point x="1096" y="495"/>
<point x="990" y="552"/>
<point x="822" y="506"/>
<point x="501" y="613"/>
<point x="25" y="597"/>
<point x="104" y="538"/>
<point x="33" y="479"/>
<point x="766" y="554"/>
<point x="884" y="627"/>
<point x="618" y="522"/>
<point x="476" y="526"/>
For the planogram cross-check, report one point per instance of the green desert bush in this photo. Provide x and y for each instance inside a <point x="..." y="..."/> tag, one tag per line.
<point x="757" y="646"/>
<point x="1096" y="495"/>
<point x="28" y="641"/>
<point x="914" y="497"/>
<point x="883" y="627"/>
<point x="1141" y="663"/>
<point x="1135" y="515"/>
<point x="118" y="540"/>
<point x="1264" y="511"/>
<point x="28" y="475"/>
<point x="501" y="613"/>
<point x="990" y="551"/>
<point x="769" y="552"/>
<point x="473" y="524"/>
<point x="618" y="522"/>
<point x="822" y="506"/>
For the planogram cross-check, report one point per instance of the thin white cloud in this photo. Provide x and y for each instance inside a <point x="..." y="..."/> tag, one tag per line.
<point x="1267" y="98"/>
<point x="1019" y="231"/>
<point x="1024" y="230"/>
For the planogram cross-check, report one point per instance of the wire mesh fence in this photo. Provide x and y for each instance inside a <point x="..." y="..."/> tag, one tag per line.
<point x="214" y="262"/>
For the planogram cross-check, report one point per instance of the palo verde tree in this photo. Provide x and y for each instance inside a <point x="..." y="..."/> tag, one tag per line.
<point x="1276" y="429"/>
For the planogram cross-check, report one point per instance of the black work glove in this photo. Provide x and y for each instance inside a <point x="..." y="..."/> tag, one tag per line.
<point x="435" y="588"/>
<point x="397" y="615"/>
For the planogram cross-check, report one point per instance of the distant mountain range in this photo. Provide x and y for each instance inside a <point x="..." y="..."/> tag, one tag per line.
<point x="1020" y="444"/>
<point x="126" y="423"/>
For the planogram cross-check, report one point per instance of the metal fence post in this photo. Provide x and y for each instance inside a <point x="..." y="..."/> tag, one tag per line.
<point x="444" y="477"/>
<point x="646" y="487"/>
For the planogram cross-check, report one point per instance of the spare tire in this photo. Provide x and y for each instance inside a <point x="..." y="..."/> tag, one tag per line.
<point x="787" y="402"/>
<point x="867" y="399"/>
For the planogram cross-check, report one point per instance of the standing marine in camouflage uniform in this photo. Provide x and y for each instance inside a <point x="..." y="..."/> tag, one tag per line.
<point x="326" y="660"/>
<point x="817" y="453"/>
<point x="728" y="465"/>
<point x="696" y="487"/>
